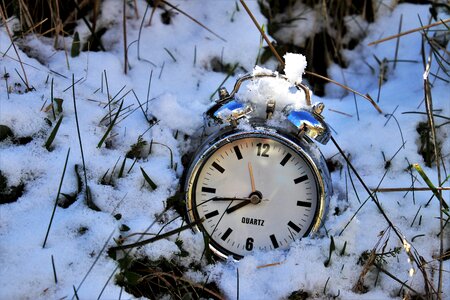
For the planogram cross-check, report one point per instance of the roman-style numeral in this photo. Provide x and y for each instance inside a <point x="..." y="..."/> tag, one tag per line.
<point x="226" y="234"/>
<point x="212" y="214"/>
<point x="301" y="179"/>
<point x="274" y="241"/>
<point x="294" y="226"/>
<point x="218" y="167"/>
<point x="304" y="203"/>
<point x="208" y="190"/>
<point x="286" y="159"/>
<point x="238" y="152"/>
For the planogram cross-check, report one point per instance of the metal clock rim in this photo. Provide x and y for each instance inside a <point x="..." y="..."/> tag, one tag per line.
<point x="218" y="141"/>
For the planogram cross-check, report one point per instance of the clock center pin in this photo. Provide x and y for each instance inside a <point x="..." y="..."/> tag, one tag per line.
<point x="255" y="197"/>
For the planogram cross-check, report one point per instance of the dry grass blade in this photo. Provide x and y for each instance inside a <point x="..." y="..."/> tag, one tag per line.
<point x="367" y="97"/>
<point x="91" y="29"/>
<point x="408" y="32"/>
<point x="125" y="49"/>
<point x="269" y="265"/>
<point x="263" y="34"/>
<point x="194" y="285"/>
<point x="438" y="194"/>
<point x="193" y="19"/>
<point x="341" y="112"/>
<point x="156" y="3"/>
<point x="381" y="269"/>
<point x="14" y="46"/>
<point x="156" y="238"/>
<point x="392" y="226"/>
<point x="280" y="60"/>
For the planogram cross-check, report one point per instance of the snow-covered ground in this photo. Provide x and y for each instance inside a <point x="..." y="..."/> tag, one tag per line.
<point x="172" y="77"/>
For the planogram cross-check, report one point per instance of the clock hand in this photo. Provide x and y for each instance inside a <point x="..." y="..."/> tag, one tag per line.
<point x="238" y="206"/>
<point x="233" y="198"/>
<point x="252" y="179"/>
<point x="255" y="198"/>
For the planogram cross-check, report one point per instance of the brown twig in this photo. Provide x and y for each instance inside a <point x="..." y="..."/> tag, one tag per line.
<point x="367" y="97"/>
<point x="263" y="34"/>
<point x="270" y="265"/>
<point x="431" y="125"/>
<point x="408" y="32"/>
<point x="410" y="189"/>
<point x="57" y="22"/>
<point x="31" y="29"/>
<point x="280" y="60"/>
<point x="156" y="3"/>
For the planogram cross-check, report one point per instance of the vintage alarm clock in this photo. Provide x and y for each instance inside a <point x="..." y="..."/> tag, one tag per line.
<point x="254" y="184"/>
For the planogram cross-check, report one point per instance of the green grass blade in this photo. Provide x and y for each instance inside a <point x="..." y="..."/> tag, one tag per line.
<point x="56" y="200"/>
<point x="52" y="136"/>
<point x="430" y="184"/>
<point x="149" y="181"/>
<point x="76" y="45"/>
<point x="110" y="126"/>
<point x="89" y="201"/>
<point x="122" y="168"/>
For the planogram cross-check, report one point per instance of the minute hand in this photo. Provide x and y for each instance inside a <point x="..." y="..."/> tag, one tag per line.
<point x="233" y="198"/>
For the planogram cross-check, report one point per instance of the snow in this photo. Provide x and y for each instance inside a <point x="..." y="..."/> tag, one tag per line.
<point x="179" y="94"/>
<point x="295" y="66"/>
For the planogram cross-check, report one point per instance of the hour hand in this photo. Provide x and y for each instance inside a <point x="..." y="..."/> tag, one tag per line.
<point x="238" y="206"/>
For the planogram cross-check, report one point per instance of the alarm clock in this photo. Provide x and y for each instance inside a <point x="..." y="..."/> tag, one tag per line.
<point x="254" y="184"/>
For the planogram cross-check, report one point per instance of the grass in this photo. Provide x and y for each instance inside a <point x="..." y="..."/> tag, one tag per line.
<point x="56" y="201"/>
<point x="88" y="197"/>
<point x="4" y="21"/>
<point x="166" y="277"/>
<point x="52" y="135"/>
<point x="110" y="127"/>
<point x="147" y="178"/>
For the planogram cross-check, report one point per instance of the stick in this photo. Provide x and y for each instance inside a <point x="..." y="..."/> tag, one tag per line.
<point x="408" y="32"/>
<point x="410" y="189"/>
<point x="280" y="60"/>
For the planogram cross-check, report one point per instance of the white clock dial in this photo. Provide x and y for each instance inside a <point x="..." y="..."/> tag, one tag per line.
<point x="255" y="193"/>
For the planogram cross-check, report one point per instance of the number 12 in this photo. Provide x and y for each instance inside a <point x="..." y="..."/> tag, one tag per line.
<point x="265" y="148"/>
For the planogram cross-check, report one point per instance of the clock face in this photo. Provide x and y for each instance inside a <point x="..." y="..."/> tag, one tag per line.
<point x="255" y="192"/>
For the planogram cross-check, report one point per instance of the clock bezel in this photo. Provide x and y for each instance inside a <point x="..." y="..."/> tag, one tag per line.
<point x="307" y="150"/>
